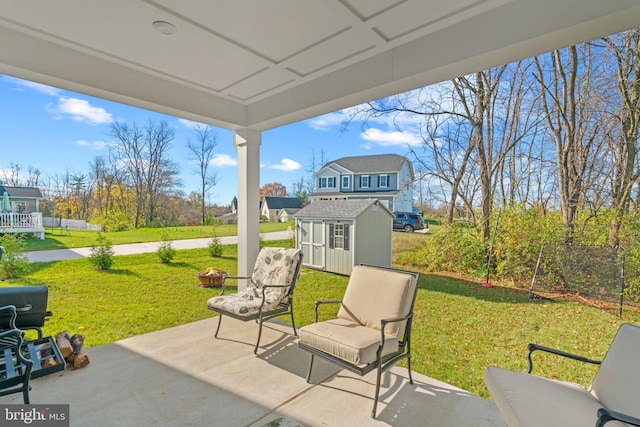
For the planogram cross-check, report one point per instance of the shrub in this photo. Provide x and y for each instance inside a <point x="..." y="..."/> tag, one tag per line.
<point x="102" y="253"/>
<point x="215" y="248"/>
<point x="165" y="251"/>
<point x="14" y="262"/>
<point x="454" y="248"/>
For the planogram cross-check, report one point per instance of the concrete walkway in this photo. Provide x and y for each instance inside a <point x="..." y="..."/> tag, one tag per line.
<point x="140" y="248"/>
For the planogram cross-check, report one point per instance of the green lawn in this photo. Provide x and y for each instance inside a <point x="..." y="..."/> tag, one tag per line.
<point x="459" y="327"/>
<point x="54" y="239"/>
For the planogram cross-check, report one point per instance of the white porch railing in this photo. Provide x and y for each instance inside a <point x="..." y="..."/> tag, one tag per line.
<point x="14" y="222"/>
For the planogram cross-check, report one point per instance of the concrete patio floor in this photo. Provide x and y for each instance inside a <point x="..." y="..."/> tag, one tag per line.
<point x="183" y="376"/>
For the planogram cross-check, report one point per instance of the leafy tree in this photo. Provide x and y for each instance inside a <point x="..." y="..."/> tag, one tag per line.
<point x="274" y="189"/>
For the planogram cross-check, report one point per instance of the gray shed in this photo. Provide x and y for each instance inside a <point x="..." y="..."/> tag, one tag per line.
<point x="335" y="235"/>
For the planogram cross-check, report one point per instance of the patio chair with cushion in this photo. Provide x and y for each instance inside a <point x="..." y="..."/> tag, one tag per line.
<point x="15" y="369"/>
<point x="269" y="292"/>
<point x="373" y="325"/>
<point x="612" y="398"/>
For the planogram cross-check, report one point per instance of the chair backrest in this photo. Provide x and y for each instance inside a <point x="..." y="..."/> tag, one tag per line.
<point x="376" y="293"/>
<point x="617" y="382"/>
<point x="275" y="266"/>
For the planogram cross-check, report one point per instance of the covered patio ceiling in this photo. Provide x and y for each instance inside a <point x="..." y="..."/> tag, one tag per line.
<point x="252" y="65"/>
<point x="260" y="64"/>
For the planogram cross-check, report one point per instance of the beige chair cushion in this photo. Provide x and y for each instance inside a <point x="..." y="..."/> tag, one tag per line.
<point x="617" y="381"/>
<point x="526" y="400"/>
<point x="374" y="294"/>
<point x="347" y="340"/>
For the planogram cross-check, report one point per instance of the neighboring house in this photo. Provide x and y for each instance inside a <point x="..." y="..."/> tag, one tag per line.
<point x="286" y="214"/>
<point x="23" y="199"/>
<point x="270" y="207"/>
<point x="23" y="215"/>
<point x="335" y="235"/>
<point x="386" y="177"/>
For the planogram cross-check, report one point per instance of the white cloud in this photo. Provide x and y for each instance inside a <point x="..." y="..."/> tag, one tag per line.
<point x="327" y="121"/>
<point x="39" y="87"/>
<point x="286" y="165"/>
<point x="221" y="160"/>
<point x="80" y="110"/>
<point x="191" y="124"/>
<point x="96" y="145"/>
<point x="390" y="138"/>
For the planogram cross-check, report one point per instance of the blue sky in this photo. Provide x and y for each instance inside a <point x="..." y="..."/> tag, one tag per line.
<point x="55" y="130"/>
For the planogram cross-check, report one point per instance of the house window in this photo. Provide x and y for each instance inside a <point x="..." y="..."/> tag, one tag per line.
<point x="339" y="236"/>
<point x="383" y="181"/>
<point x="345" y="182"/>
<point x="364" y="181"/>
<point x="328" y="182"/>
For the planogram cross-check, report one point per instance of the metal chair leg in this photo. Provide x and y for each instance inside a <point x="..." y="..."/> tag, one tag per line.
<point x="409" y="369"/>
<point x="310" y="367"/>
<point x="293" y="324"/>
<point x="255" y="350"/>
<point x="219" y="322"/>
<point x="375" y="399"/>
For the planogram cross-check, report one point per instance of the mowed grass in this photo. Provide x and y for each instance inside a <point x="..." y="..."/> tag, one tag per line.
<point x="459" y="327"/>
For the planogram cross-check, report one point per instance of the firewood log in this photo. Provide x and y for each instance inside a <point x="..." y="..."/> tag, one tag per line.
<point x="64" y="344"/>
<point x="81" y="358"/>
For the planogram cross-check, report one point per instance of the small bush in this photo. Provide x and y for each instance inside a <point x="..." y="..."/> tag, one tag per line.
<point x="102" y="253"/>
<point x="215" y="248"/>
<point x="14" y="262"/>
<point x="165" y="251"/>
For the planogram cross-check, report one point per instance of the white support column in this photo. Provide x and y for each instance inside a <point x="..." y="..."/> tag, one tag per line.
<point x="247" y="143"/>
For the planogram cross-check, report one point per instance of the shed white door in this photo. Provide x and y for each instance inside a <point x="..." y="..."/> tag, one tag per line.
<point x="311" y="238"/>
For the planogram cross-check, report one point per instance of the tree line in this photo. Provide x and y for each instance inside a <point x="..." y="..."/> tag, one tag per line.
<point x="558" y="132"/>
<point x="135" y="184"/>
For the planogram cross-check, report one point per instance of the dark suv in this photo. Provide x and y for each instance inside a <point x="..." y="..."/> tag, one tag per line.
<point x="409" y="222"/>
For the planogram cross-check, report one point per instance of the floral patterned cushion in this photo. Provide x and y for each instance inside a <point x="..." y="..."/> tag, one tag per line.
<point x="274" y="266"/>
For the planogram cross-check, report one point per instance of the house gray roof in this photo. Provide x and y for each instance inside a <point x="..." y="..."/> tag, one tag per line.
<point x="374" y="164"/>
<point x="21" y="192"/>
<point x="283" y="202"/>
<point x="336" y="209"/>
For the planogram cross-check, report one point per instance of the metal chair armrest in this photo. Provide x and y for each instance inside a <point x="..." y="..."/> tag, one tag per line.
<point x="224" y="279"/>
<point x="13" y="313"/>
<point x="605" y="415"/>
<point x="324" y="302"/>
<point x="385" y="322"/>
<point x="533" y="347"/>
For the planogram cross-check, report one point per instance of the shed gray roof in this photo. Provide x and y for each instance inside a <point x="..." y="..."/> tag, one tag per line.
<point x="374" y="164"/>
<point x="22" y="192"/>
<point x="336" y="209"/>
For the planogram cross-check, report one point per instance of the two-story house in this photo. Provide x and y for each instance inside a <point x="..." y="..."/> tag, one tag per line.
<point x="386" y="177"/>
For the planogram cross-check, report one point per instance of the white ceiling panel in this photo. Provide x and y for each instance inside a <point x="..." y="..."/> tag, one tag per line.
<point x="367" y="9"/>
<point x="265" y="63"/>
<point x="274" y="29"/>
<point x="332" y="52"/>
<point x="266" y="81"/>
